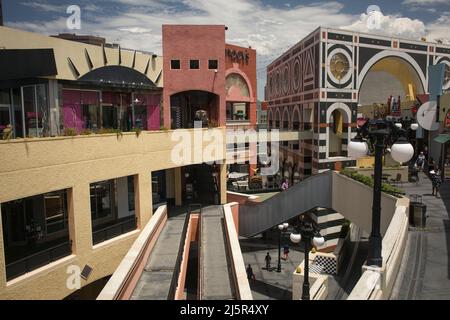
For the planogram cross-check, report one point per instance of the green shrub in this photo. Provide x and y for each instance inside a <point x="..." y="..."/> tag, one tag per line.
<point x="368" y="181"/>
<point x="138" y="131"/>
<point x="86" y="132"/>
<point x="70" y="132"/>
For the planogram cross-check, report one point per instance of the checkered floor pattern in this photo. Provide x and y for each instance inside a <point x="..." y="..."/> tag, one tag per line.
<point x="323" y="265"/>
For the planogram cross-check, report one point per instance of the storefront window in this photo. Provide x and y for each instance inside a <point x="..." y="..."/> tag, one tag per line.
<point x="112" y="208"/>
<point x="158" y="187"/>
<point x="81" y="110"/>
<point x="102" y="202"/>
<point x="35" y="232"/>
<point x="36" y="110"/>
<point x="5" y="104"/>
<point x="238" y="111"/>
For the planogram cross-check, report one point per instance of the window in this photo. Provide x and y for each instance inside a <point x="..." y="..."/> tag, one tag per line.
<point x="131" y="204"/>
<point x="55" y="205"/>
<point x="194" y="64"/>
<point x="35" y="232"/>
<point x="237" y="111"/>
<point x="175" y="64"/>
<point x="102" y="202"/>
<point x="213" y="64"/>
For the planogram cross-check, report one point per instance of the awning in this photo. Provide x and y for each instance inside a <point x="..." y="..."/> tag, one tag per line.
<point x="442" y="138"/>
<point x="26" y="63"/>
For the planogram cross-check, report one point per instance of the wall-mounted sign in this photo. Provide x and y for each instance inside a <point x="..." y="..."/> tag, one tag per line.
<point x="237" y="55"/>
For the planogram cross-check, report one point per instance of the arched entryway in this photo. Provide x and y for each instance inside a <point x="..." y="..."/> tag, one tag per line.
<point x="338" y="130"/>
<point x="187" y="107"/>
<point x="385" y="76"/>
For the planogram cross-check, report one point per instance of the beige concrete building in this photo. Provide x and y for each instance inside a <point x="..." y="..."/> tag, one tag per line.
<point x="85" y="161"/>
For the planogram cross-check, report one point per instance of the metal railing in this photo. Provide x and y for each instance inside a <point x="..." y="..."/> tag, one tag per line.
<point x="176" y="270"/>
<point x="37" y="260"/>
<point x="114" y="230"/>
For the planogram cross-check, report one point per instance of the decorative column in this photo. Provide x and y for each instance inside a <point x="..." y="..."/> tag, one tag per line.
<point x="143" y="198"/>
<point x="223" y="183"/>
<point x="178" y="187"/>
<point x="80" y="221"/>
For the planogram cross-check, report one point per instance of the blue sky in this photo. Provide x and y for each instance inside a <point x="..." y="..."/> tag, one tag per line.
<point x="269" y="26"/>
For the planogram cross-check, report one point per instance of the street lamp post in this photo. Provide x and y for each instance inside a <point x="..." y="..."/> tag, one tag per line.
<point x="381" y="133"/>
<point x="281" y="227"/>
<point x="310" y="234"/>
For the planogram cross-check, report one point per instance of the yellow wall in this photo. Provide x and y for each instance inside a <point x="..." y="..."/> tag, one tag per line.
<point x="35" y="166"/>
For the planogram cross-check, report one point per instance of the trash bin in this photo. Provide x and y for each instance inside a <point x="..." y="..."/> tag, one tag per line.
<point x="417" y="212"/>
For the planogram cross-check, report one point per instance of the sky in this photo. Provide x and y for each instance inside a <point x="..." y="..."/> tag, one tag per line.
<point x="269" y="26"/>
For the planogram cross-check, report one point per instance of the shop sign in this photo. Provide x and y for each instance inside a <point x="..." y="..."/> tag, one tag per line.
<point x="237" y="55"/>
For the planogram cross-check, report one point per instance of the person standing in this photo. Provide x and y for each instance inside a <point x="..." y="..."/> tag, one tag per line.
<point x="286" y="252"/>
<point x="268" y="258"/>
<point x="420" y="162"/>
<point x="436" y="182"/>
<point x="250" y="274"/>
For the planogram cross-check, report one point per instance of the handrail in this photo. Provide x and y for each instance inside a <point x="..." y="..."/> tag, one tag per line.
<point x="200" y="261"/>
<point x="176" y="270"/>
<point x="27" y="259"/>
<point x="106" y="229"/>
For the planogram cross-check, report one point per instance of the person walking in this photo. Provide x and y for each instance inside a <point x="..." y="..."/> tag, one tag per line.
<point x="420" y="162"/>
<point x="250" y="274"/>
<point x="285" y="185"/>
<point x="436" y="182"/>
<point x="286" y="252"/>
<point x="268" y="258"/>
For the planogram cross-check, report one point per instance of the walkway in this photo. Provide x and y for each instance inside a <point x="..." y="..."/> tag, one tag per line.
<point x="156" y="278"/>
<point x="217" y="279"/>
<point x="271" y="285"/>
<point x="425" y="271"/>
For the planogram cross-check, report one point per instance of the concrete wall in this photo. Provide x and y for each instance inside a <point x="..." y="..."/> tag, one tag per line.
<point x="237" y="261"/>
<point x="358" y="209"/>
<point x="127" y="274"/>
<point x="36" y="166"/>
<point x="377" y="283"/>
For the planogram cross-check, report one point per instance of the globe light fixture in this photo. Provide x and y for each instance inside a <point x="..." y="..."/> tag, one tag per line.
<point x="296" y="238"/>
<point x="402" y="150"/>
<point x="357" y="148"/>
<point x="319" y="241"/>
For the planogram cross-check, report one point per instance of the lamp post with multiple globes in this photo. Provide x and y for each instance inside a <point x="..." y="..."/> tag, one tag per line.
<point x="382" y="134"/>
<point x="310" y="235"/>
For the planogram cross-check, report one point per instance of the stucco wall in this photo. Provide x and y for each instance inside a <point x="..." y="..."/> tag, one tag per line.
<point x="198" y="42"/>
<point x="355" y="208"/>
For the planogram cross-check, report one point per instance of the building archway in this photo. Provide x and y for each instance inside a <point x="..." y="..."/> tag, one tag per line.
<point x="285" y="120"/>
<point x="187" y="107"/>
<point x="270" y="118"/>
<point x="295" y="125"/>
<point x="277" y="119"/>
<point x="386" y="75"/>
<point x="338" y="130"/>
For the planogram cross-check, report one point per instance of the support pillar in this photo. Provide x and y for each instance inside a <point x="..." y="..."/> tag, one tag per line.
<point x="143" y="198"/>
<point x="223" y="183"/>
<point x="178" y="187"/>
<point x="80" y="221"/>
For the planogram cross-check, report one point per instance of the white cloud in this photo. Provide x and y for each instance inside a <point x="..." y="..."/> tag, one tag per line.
<point x="270" y="30"/>
<point x="424" y="2"/>
<point x="395" y="26"/>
